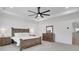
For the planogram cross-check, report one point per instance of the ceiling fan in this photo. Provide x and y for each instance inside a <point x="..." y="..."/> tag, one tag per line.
<point x="38" y="13"/>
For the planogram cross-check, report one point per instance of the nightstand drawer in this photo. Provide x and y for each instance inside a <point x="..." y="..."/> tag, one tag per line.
<point x="5" y="40"/>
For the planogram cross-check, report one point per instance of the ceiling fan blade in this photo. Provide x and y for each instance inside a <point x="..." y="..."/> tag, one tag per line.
<point x="46" y="14"/>
<point x="42" y="16"/>
<point x="32" y="11"/>
<point x="38" y="9"/>
<point x="32" y="15"/>
<point x="36" y="16"/>
<point x="45" y="11"/>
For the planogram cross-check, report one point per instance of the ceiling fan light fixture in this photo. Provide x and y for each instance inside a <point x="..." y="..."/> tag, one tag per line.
<point x="39" y="18"/>
<point x="39" y="15"/>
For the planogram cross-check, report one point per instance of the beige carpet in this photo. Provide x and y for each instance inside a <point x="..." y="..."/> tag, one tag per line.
<point x="45" y="46"/>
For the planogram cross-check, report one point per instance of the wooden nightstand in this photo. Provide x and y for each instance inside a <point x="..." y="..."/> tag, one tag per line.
<point x="5" y="40"/>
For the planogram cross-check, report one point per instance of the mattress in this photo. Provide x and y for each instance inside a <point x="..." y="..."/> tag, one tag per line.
<point x="17" y="39"/>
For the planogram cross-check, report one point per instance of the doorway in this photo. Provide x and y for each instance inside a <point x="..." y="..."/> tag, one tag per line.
<point x="75" y="34"/>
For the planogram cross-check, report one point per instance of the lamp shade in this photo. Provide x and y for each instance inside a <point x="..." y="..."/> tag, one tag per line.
<point x="3" y="31"/>
<point x="31" y="31"/>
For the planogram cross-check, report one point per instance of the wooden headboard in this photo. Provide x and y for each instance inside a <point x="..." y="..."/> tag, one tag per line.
<point x="19" y="30"/>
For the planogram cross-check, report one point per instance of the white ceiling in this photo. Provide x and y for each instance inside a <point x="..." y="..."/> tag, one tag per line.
<point x="23" y="11"/>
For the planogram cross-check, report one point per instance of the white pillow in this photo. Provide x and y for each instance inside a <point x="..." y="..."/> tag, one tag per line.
<point x="21" y="34"/>
<point x="25" y="34"/>
<point x="17" y="35"/>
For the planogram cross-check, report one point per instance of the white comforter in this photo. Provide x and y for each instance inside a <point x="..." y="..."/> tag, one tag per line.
<point x="17" y="39"/>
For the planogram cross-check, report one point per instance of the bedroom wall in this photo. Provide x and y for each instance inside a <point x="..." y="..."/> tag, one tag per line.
<point x="7" y="21"/>
<point x="62" y="34"/>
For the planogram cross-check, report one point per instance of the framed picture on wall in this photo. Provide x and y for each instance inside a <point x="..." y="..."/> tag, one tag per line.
<point x="49" y="29"/>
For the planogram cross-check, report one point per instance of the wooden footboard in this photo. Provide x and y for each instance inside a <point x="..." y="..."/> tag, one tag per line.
<point x="29" y="43"/>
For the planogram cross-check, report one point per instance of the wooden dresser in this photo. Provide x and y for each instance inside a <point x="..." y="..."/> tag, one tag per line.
<point x="5" y="40"/>
<point x="48" y="37"/>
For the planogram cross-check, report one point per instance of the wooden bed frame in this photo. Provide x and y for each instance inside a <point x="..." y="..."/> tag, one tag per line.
<point x="26" y="43"/>
<point x="29" y="43"/>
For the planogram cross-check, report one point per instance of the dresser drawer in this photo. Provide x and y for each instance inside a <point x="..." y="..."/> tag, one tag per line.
<point x="48" y="37"/>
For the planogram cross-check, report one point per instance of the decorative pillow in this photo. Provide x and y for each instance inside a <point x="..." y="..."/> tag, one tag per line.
<point x="21" y="34"/>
